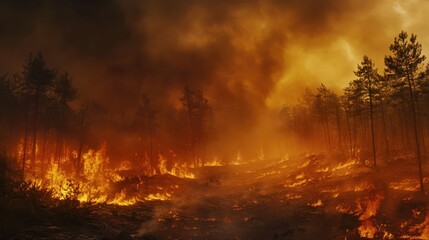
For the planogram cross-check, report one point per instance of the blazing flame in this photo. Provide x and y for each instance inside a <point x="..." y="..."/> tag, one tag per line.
<point x="96" y="179"/>
<point x="214" y="163"/>
<point x="367" y="228"/>
<point x="158" y="196"/>
<point x="319" y="203"/>
<point x="181" y="171"/>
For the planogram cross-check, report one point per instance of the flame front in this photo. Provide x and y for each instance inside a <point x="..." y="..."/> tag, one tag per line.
<point x="97" y="180"/>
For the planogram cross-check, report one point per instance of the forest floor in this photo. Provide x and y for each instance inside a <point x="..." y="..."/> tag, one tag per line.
<point x="309" y="198"/>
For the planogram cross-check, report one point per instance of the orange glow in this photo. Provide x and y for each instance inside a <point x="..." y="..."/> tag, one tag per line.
<point x="372" y="207"/>
<point x="181" y="171"/>
<point x="367" y="229"/>
<point x="122" y="200"/>
<point x="214" y="163"/>
<point x="319" y="203"/>
<point x="411" y="185"/>
<point x="97" y="179"/>
<point x="158" y="196"/>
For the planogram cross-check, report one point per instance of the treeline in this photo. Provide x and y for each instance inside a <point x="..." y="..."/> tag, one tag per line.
<point x="379" y="113"/>
<point x="43" y="121"/>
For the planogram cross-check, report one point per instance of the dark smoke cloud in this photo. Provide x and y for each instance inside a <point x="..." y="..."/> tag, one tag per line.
<point x="247" y="56"/>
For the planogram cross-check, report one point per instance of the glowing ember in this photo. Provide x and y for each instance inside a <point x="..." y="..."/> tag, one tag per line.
<point x="177" y="170"/>
<point x="367" y="229"/>
<point x="158" y="196"/>
<point x="293" y="196"/>
<point x="372" y="207"/>
<point x="296" y="183"/>
<point x="345" y="209"/>
<point x="214" y="163"/>
<point x="319" y="203"/>
<point x="424" y="228"/>
<point x="238" y="160"/>
<point x="411" y="185"/>
<point x="364" y="186"/>
<point x="323" y="170"/>
<point x="122" y="200"/>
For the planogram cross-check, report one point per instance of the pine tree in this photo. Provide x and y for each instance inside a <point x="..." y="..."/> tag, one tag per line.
<point x="404" y="64"/>
<point x="367" y="74"/>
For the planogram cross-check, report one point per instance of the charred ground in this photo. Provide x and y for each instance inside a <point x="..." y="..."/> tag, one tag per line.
<point x="299" y="198"/>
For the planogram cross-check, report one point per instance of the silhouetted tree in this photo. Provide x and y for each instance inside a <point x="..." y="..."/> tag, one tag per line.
<point x="199" y="112"/>
<point x="354" y="105"/>
<point x="380" y="94"/>
<point x="367" y="74"/>
<point x="404" y="64"/>
<point x="63" y="94"/>
<point x="321" y="106"/>
<point x="36" y="78"/>
<point x="145" y="119"/>
<point x="296" y="120"/>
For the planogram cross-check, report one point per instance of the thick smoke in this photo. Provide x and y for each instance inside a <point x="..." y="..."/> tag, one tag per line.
<point x="247" y="56"/>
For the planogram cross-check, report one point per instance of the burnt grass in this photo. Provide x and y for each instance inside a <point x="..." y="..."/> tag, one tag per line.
<point x="251" y="201"/>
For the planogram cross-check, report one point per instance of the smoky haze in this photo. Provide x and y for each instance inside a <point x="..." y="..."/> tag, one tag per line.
<point x="248" y="57"/>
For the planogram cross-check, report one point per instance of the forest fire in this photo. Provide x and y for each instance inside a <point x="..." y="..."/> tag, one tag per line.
<point x="347" y="188"/>
<point x="137" y="120"/>
<point x="97" y="181"/>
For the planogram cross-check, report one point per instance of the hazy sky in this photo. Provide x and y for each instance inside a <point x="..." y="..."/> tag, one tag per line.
<point x="244" y="55"/>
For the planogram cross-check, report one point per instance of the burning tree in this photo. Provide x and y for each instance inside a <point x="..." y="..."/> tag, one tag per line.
<point x="62" y="95"/>
<point x="35" y="79"/>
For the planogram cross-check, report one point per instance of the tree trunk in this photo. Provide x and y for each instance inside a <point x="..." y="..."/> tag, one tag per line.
<point x="339" y="131"/>
<point x="372" y="125"/>
<point x="328" y="133"/>
<point x="355" y="133"/>
<point x="385" y="129"/>
<point x="363" y="123"/>
<point x="36" y="113"/>
<point x="420" y="123"/>
<point x="350" y="134"/>
<point x="416" y="133"/>
<point x="325" y="134"/>
<point x="58" y="148"/>
<point x="42" y="168"/>
<point x="152" y="161"/>
<point x="401" y="123"/>
<point x="24" y="147"/>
